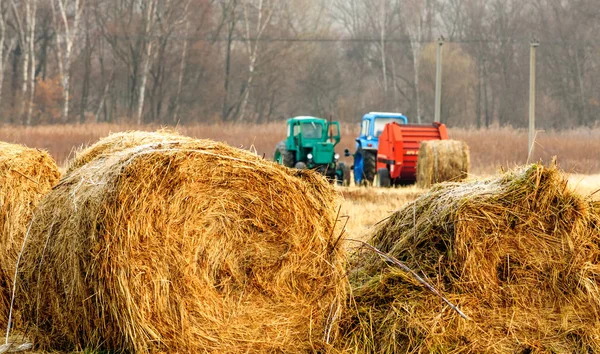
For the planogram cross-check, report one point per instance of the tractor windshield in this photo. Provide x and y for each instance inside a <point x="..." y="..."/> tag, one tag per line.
<point x="381" y="122"/>
<point x="312" y="130"/>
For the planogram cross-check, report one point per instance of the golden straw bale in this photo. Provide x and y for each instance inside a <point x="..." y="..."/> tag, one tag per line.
<point x="442" y="161"/>
<point x="184" y="245"/>
<point x="26" y="175"/>
<point x="519" y="254"/>
<point x="121" y="141"/>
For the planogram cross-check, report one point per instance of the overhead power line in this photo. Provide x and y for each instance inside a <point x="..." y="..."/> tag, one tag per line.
<point x="523" y="40"/>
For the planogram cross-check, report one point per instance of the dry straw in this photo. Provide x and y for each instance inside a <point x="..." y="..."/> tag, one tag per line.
<point x="26" y="175"/>
<point x="121" y="141"/>
<point x="518" y="254"/>
<point x="442" y="161"/>
<point x="183" y="245"/>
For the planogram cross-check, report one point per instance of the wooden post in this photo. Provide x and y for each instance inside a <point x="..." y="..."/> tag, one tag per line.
<point x="530" y="147"/>
<point x="438" y="81"/>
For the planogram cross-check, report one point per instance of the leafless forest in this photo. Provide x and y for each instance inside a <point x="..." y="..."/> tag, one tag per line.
<point x="256" y="61"/>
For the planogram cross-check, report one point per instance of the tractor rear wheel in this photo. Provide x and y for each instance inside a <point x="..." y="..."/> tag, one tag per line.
<point x="369" y="166"/>
<point x="283" y="156"/>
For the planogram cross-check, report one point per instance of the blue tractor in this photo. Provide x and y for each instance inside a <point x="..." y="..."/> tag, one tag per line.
<point x="365" y="157"/>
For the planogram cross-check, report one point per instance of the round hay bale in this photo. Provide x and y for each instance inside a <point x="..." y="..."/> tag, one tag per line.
<point x="121" y="141"/>
<point x="26" y="176"/>
<point x="441" y="161"/>
<point x="186" y="246"/>
<point x="518" y="254"/>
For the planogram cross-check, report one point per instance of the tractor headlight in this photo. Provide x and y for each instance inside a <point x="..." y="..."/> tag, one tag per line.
<point x="309" y="156"/>
<point x="336" y="156"/>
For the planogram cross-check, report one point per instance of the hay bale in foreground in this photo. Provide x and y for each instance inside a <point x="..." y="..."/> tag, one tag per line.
<point x="121" y="141"/>
<point x="26" y="175"/>
<point x="442" y="161"/>
<point x="186" y="246"/>
<point x="518" y="254"/>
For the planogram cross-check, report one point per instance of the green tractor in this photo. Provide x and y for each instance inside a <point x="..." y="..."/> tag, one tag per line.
<point x="310" y="144"/>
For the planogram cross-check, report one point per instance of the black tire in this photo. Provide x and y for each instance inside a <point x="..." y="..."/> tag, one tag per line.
<point x="300" y="165"/>
<point x="287" y="156"/>
<point x="369" y="166"/>
<point x="345" y="177"/>
<point x="384" y="177"/>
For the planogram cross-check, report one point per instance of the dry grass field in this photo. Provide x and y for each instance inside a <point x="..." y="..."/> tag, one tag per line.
<point x="576" y="150"/>
<point x="491" y="149"/>
<point x="362" y="208"/>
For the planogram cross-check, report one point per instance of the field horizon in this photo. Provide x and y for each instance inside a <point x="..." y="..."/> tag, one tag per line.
<point x="491" y="149"/>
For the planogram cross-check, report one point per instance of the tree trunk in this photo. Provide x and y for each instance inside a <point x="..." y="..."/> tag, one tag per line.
<point x="395" y="85"/>
<point x="26" y="55"/>
<point x="382" y="35"/>
<point x="70" y="33"/>
<point x="246" y="95"/>
<point x="261" y="25"/>
<point x="4" y="55"/>
<point x="146" y="60"/>
<point x="231" y="22"/>
<point x="15" y="83"/>
<point x="479" y="88"/>
<point x="86" y="78"/>
<point x="145" y="69"/>
<point x="416" y="54"/>
<point x="580" y="87"/>
<point x="32" y="24"/>
<point x="181" y="73"/>
<point x="102" y="103"/>
<point x="415" y="45"/>
<point x="486" y="104"/>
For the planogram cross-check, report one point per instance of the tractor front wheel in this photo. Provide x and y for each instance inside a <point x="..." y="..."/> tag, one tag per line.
<point x="343" y="174"/>
<point x="283" y="156"/>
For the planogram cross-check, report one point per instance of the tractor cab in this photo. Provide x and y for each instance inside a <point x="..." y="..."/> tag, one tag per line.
<point x="365" y="157"/>
<point x="310" y="144"/>
<point x="312" y="140"/>
<point x="372" y="126"/>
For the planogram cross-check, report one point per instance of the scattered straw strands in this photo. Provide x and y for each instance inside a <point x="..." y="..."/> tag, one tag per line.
<point x="183" y="245"/>
<point x="442" y="161"/>
<point x="121" y="141"/>
<point x="518" y="254"/>
<point x="26" y="175"/>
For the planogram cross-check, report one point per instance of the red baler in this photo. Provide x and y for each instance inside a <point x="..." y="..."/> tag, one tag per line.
<point x="399" y="150"/>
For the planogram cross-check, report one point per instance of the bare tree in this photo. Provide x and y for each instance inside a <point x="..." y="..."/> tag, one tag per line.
<point x="184" y="51"/>
<point x="415" y="15"/>
<point x="262" y="11"/>
<point x="64" y="43"/>
<point x="259" y="60"/>
<point x="31" y="21"/>
<point x="230" y="18"/>
<point x="149" y="20"/>
<point x="4" y="53"/>
<point x="25" y="20"/>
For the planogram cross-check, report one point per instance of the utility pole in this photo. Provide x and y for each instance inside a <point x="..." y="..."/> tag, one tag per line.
<point x="438" y="80"/>
<point x="533" y="46"/>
